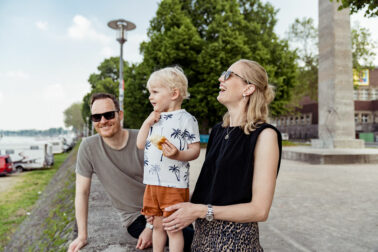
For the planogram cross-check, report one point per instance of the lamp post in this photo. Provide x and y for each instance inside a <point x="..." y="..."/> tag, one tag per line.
<point x="122" y="26"/>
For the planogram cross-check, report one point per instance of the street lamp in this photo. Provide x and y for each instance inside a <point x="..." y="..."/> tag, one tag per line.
<point x="121" y="26"/>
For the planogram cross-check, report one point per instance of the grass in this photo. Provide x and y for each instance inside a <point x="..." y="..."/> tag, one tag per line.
<point x="290" y="143"/>
<point x="56" y="225"/>
<point x="17" y="202"/>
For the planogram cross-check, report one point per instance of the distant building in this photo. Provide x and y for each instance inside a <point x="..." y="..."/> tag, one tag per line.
<point x="303" y="123"/>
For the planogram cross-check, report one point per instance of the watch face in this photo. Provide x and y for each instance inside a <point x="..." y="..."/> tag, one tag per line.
<point x="209" y="217"/>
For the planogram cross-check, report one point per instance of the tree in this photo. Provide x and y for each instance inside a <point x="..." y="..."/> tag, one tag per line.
<point x="370" y="6"/>
<point x="72" y="117"/>
<point x="362" y="48"/>
<point x="303" y="36"/>
<point x="205" y="36"/>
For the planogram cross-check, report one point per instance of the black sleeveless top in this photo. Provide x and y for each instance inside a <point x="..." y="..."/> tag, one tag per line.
<point x="227" y="173"/>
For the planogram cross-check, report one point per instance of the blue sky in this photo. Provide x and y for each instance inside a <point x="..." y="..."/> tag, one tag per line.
<point x="49" y="48"/>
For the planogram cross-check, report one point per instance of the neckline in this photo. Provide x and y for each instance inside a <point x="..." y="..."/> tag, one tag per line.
<point x="172" y="112"/>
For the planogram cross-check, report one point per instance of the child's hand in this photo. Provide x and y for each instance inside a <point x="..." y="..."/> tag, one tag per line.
<point x="169" y="150"/>
<point x="154" y="117"/>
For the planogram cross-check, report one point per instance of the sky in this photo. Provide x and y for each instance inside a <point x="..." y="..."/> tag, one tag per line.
<point x="48" y="49"/>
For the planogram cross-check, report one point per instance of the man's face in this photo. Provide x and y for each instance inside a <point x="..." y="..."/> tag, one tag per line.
<point x="106" y="128"/>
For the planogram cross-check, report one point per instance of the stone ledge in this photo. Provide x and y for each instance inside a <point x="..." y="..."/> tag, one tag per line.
<point x="331" y="156"/>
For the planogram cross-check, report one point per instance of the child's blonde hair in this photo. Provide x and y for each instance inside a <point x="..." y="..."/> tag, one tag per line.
<point x="172" y="77"/>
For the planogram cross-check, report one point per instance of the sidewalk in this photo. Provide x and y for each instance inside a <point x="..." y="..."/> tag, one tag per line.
<point x="315" y="208"/>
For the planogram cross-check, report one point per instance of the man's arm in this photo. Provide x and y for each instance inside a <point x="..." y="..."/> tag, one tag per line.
<point x="83" y="185"/>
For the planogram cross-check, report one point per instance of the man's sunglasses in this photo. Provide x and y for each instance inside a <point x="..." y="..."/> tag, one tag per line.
<point x="108" y="116"/>
<point x="227" y="75"/>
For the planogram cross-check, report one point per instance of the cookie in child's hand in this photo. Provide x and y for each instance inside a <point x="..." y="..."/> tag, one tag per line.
<point x="158" y="141"/>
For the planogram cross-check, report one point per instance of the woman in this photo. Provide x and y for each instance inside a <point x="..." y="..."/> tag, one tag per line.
<point x="235" y="188"/>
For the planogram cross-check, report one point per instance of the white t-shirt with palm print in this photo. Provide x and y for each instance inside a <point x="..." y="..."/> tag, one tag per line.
<point x="181" y="129"/>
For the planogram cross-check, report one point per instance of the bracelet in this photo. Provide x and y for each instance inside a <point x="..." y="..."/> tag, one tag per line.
<point x="150" y="226"/>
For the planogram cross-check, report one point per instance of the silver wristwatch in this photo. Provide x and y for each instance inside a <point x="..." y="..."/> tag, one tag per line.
<point x="210" y="213"/>
<point x="150" y="226"/>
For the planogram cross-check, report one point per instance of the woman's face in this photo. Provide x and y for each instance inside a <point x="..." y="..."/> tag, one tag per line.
<point x="231" y="90"/>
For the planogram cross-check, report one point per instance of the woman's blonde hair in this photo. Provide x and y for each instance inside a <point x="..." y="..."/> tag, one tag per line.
<point x="171" y="77"/>
<point x="257" y="109"/>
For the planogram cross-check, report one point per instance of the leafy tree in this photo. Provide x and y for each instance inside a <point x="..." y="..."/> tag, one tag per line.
<point x="72" y="117"/>
<point x="303" y="35"/>
<point x="370" y="6"/>
<point x="362" y="48"/>
<point x="205" y="36"/>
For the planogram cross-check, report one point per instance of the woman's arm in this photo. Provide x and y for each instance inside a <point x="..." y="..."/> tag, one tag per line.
<point x="264" y="182"/>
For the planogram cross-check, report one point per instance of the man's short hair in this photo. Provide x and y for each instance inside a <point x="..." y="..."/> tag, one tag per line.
<point x="99" y="96"/>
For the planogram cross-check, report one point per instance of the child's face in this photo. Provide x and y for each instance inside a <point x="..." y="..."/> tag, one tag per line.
<point x="160" y="97"/>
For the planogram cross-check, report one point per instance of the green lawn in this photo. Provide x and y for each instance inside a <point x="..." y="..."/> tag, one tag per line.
<point x="17" y="202"/>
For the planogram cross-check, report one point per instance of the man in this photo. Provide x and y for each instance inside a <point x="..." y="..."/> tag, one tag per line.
<point x="118" y="164"/>
<point x="112" y="154"/>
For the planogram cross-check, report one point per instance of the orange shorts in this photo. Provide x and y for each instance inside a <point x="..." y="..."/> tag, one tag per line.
<point x="156" y="198"/>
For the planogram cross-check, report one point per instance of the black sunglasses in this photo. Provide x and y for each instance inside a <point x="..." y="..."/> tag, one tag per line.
<point x="227" y="75"/>
<point x="108" y="116"/>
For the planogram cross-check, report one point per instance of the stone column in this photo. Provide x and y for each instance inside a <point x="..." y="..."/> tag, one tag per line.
<point x="335" y="85"/>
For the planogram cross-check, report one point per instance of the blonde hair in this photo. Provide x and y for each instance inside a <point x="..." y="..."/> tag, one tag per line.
<point x="171" y="77"/>
<point x="257" y="109"/>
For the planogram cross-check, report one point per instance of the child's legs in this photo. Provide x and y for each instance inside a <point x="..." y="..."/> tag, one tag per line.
<point x="176" y="241"/>
<point x="174" y="196"/>
<point x="159" y="236"/>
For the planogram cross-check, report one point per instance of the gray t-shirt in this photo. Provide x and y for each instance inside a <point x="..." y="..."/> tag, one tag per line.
<point x="119" y="171"/>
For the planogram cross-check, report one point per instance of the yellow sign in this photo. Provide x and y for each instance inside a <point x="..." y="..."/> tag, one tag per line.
<point x="361" y="78"/>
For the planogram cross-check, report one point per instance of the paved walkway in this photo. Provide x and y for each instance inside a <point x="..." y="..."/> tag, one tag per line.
<point x="315" y="208"/>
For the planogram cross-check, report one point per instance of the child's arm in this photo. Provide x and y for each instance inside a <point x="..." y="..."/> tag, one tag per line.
<point x="143" y="132"/>
<point x="170" y="151"/>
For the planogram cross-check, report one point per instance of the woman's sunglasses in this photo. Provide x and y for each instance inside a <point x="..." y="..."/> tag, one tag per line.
<point x="227" y="75"/>
<point x="108" y="116"/>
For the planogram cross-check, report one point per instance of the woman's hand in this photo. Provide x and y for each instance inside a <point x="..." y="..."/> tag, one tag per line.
<point x="185" y="214"/>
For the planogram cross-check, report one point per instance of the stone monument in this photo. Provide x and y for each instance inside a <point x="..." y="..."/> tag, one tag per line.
<point x="335" y="86"/>
<point x="336" y="143"/>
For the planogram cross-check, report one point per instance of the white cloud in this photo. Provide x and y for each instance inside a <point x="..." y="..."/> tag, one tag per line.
<point x="42" y="25"/>
<point x="54" y="93"/>
<point x="82" y="29"/>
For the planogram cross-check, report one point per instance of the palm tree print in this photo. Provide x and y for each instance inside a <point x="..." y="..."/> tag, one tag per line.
<point x="155" y="169"/>
<point x="176" y="170"/>
<point x="191" y="137"/>
<point x="177" y="134"/>
<point x="148" y="144"/>
<point x="186" y="175"/>
<point x="166" y="117"/>
<point x="185" y="134"/>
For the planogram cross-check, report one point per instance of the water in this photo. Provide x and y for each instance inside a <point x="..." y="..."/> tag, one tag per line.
<point x="17" y="139"/>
